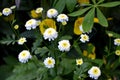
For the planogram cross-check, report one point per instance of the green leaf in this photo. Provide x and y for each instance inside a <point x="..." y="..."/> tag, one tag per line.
<point x="60" y="5"/>
<point x="102" y="20"/>
<point x="41" y="51"/>
<point x="68" y="62"/>
<point x="9" y="39"/>
<point x="67" y="37"/>
<point x="110" y="4"/>
<point x="77" y="48"/>
<point x="98" y="62"/>
<point x="88" y="20"/>
<point x="70" y="4"/>
<point x="100" y="1"/>
<point x="94" y="1"/>
<point x="113" y="34"/>
<point x="79" y="12"/>
<point x="58" y="78"/>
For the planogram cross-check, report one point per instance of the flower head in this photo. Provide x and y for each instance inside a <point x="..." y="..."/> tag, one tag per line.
<point x="39" y="10"/>
<point x="64" y="45"/>
<point x="52" y="13"/>
<point x="117" y="52"/>
<point x="84" y="38"/>
<point x="16" y="26"/>
<point x="31" y="24"/>
<point x="24" y="56"/>
<point x="62" y="18"/>
<point x="47" y="23"/>
<point x="50" y="34"/>
<point x="117" y="41"/>
<point x="6" y="11"/>
<point x="49" y="62"/>
<point x="94" y="72"/>
<point x="22" y="40"/>
<point x="79" y="61"/>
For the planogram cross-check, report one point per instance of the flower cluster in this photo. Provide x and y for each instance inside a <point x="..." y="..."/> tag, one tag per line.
<point x="61" y="40"/>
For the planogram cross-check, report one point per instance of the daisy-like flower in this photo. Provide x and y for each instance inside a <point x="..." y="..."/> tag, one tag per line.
<point x="79" y="61"/>
<point x="62" y="18"/>
<point x="64" y="45"/>
<point x="52" y="13"/>
<point x="117" y="52"/>
<point x="49" y="62"/>
<point x="50" y="34"/>
<point x="6" y="11"/>
<point x="24" y="56"/>
<point x="31" y="24"/>
<point x="84" y="38"/>
<point x="94" y="72"/>
<point x="22" y="40"/>
<point x="117" y="41"/>
<point x="39" y="10"/>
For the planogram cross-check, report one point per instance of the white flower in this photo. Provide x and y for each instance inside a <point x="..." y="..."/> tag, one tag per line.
<point x="13" y="7"/>
<point x="50" y="34"/>
<point x="94" y="72"/>
<point x="117" y="52"/>
<point x="24" y="56"/>
<point x="52" y="13"/>
<point x="79" y="61"/>
<point x="49" y="62"/>
<point x="62" y="18"/>
<point x="39" y="10"/>
<point x="117" y="41"/>
<point x="64" y="45"/>
<point x="6" y="11"/>
<point x="84" y="38"/>
<point x="31" y="24"/>
<point x="22" y="40"/>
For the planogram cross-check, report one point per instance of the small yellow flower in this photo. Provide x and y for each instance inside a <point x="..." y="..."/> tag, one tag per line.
<point x="90" y="55"/>
<point x="47" y="23"/>
<point x="16" y="26"/>
<point x="34" y="14"/>
<point x="117" y="52"/>
<point x="0" y="14"/>
<point x="79" y="61"/>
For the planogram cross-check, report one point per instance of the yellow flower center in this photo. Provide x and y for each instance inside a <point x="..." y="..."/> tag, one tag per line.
<point x="49" y="62"/>
<point x="64" y="45"/>
<point x="117" y="52"/>
<point x="85" y="38"/>
<point x="95" y="71"/>
<point x="23" y="55"/>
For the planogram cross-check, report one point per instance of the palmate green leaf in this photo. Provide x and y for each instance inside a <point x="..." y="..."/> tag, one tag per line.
<point x="110" y="4"/>
<point x="67" y="37"/>
<point x="79" y="12"/>
<point x="88" y="20"/>
<point x="41" y="51"/>
<point x="70" y="4"/>
<point x="60" y="5"/>
<point x="102" y="20"/>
